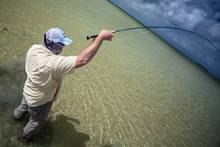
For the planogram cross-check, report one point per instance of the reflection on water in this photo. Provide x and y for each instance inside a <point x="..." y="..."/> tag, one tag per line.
<point x="137" y="92"/>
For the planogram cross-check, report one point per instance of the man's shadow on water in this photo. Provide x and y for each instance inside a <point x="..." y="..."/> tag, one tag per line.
<point x="61" y="132"/>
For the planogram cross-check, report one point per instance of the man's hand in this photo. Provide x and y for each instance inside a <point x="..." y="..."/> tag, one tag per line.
<point x="106" y="35"/>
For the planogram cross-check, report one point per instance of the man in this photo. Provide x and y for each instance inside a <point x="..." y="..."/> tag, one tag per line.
<point x="45" y="70"/>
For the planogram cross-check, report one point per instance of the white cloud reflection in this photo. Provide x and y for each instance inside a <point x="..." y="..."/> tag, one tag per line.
<point x="181" y="13"/>
<point x="200" y="16"/>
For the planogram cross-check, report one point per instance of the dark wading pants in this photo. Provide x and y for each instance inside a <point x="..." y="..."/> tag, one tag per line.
<point x="38" y="115"/>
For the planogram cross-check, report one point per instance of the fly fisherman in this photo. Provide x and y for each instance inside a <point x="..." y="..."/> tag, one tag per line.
<point x="45" y="70"/>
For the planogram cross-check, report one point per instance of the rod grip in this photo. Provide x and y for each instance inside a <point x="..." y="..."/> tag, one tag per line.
<point x="93" y="36"/>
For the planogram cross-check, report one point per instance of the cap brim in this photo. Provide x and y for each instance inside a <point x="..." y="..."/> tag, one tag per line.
<point x="67" y="41"/>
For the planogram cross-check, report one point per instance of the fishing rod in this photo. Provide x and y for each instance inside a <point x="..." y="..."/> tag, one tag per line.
<point x="158" y="27"/>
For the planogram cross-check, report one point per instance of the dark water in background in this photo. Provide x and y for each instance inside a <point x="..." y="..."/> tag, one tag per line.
<point x="138" y="91"/>
<point x="200" y="16"/>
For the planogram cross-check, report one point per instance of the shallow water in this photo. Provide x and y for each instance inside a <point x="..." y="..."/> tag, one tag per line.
<point x="137" y="92"/>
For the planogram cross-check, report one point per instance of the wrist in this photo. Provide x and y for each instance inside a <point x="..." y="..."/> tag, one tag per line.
<point x="99" y="38"/>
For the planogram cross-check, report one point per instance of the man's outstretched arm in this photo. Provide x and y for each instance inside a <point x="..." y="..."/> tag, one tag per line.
<point x="88" y="53"/>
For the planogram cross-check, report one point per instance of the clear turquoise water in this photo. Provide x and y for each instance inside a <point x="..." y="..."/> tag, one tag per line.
<point x="137" y="92"/>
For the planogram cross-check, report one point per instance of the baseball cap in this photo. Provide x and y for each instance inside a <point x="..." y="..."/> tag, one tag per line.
<point x="57" y="35"/>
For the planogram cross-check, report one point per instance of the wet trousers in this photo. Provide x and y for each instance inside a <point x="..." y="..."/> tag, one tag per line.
<point x="38" y="115"/>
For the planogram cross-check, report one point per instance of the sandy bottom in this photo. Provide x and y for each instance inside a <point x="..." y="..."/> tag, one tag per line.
<point x="137" y="92"/>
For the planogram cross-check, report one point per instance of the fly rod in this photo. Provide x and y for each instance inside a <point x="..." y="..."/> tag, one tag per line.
<point x="158" y="27"/>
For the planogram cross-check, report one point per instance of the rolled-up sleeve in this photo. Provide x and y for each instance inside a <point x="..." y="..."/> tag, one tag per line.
<point x="63" y="65"/>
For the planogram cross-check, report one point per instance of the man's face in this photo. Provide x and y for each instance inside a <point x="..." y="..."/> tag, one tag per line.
<point x="57" y="47"/>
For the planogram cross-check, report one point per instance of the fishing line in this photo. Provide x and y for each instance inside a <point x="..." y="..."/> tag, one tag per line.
<point x="159" y="27"/>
